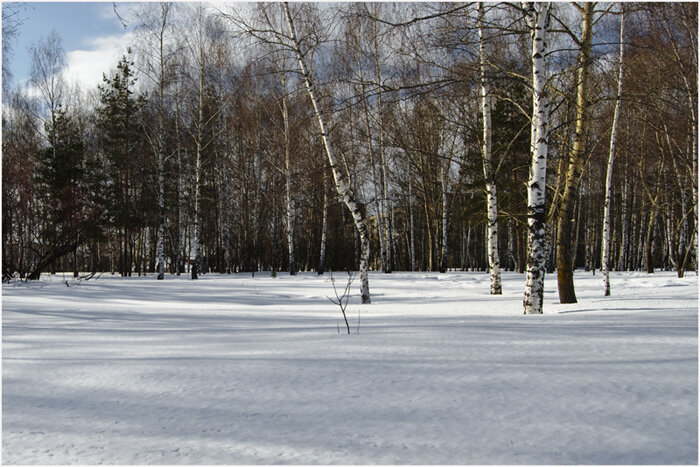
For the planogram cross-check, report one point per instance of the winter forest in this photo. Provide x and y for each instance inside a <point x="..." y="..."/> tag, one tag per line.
<point x="353" y="233"/>
<point x="351" y="136"/>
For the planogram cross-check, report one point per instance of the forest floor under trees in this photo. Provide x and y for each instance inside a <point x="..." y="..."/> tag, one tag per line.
<point x="243" y="370"/>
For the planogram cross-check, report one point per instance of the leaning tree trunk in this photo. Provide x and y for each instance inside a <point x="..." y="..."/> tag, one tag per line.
<point x="566" y="248"/>
<point x="341" y="182"/>
<point x="538" y="20"/>
<point x="489" y="175"/>
<point x="605" y="260"/>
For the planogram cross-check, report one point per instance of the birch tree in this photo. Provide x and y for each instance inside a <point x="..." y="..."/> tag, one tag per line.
<point x="156" y="64"/>
<point x="199" y="55"/>
<point x="605" y="260"/>
<point x="201" y="126"/>
<point x="324" y="228"/>
<point x="489" y="173"/>
<point x="538" y="17"/>
<point x="341" y="180"/>
<point x="289" y="202"/>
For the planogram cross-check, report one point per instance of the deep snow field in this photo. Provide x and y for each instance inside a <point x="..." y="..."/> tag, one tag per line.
<point x="242" y="370"/>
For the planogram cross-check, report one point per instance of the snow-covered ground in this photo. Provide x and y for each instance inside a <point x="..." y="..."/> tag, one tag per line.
<point x="242" y="370"/>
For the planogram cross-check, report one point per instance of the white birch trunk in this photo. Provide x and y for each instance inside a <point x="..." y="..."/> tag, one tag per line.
<point x="289" y="203"/>
<point x="160" y="240"/>
<point x="160" y="235"/>
<point x="443" y="252"/>
<point x="695" y="194"/>
<point x="341" y="183"/>
<point x="491" y="192"/>
<point x="196" y="244"/>
<point x="196" y="240"/>
<point x="324" y="229"/>
<point x="412" y="224"/>
<point x="605" y="260"/>
<point x="538" y="20"/>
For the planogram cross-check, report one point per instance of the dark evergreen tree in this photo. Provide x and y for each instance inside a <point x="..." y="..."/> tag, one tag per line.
<point x="61" y="176"/>
<point x="118" y="118"/>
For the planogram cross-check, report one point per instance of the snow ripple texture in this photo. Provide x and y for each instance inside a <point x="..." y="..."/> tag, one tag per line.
<point x="242" y="370"/>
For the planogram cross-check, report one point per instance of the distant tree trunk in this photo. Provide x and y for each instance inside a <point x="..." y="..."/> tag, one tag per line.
<point x="196" y="241"/>
<point x="324" y="228"/>
<point x="691" y="95"/>
<point x="565" y="219"/>
<point x="412" y="228"/>
<point x="489" y="175"/>
<point x="511" y="246"/>
<point x="160" y="241"/>
<point x="289" y="202"/>
<point x="443" y="251"/>
<point x="428" y="230"/>
<point x="379" y="205"/>
<point x="653" y="197"/>
<point x="341" y="183"/>
<point x="649" y="242"/>
<point x="538" y="21"/>
<point x="623" y="263"/>
<point x="605" y="260"/>
<point x="386" y="221"/>
<point x="180" y="202"/>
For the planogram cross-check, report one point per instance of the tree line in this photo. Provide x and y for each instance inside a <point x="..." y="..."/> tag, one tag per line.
<point x="530" y="137"/>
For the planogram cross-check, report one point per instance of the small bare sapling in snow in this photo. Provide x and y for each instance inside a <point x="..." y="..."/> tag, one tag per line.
<point x="342" y="299"/>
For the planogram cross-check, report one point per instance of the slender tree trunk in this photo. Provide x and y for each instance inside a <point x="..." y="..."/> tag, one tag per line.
<point x="180" y="201"/>
<point x="412" y="227"/>
<point x="695" y="194"/>
<point x="376" y="183"/>
<point x="385" y="222"/>
<point x="160" y="242"/>
<point x="197" y="170"/>
<point x="341" y="183"/>
<point x="489" y="175"/>
<point x="428" y="230"/>
<point x="289" y="202"/>
<point x="443" y="251"/>
<point x="511" y="246"/>
<point x="649" y="242"/>
<point x="622" y="263"/>
<point x="605" y="260"/>
<point x="160" y="141"/>
<point x="538" y="20"/>
<point x="683" y="228"/>
<point x="692" y="108"/>
<point x="324" y="228"/>
<point x="565" y="219"/>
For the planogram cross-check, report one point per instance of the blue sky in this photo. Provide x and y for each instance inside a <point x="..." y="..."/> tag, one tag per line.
<point x="93" y="37"/>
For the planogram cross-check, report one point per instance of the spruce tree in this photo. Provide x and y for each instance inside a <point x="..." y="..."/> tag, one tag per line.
<point x="119" y="121"/>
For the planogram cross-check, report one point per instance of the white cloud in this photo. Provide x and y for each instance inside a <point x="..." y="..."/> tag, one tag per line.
<point x="87" y="66"/>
